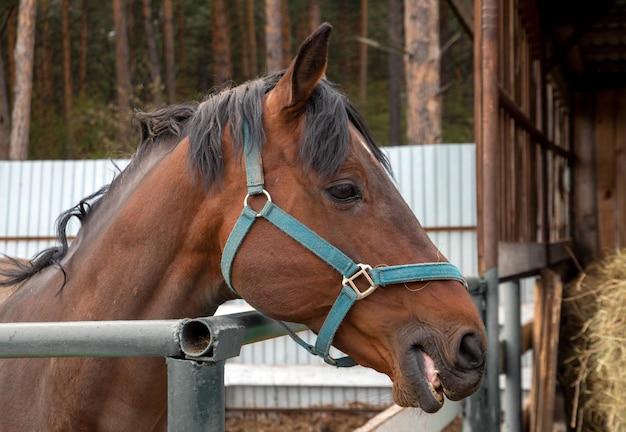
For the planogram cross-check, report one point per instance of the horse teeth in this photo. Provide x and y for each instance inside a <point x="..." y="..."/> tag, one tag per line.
<point x="435" y="393"/>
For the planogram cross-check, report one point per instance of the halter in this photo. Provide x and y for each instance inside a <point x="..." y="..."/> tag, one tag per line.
<point x="350" y="271"/>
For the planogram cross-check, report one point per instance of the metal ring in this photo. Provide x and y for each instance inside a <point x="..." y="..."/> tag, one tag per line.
<point x="267" y="195"/>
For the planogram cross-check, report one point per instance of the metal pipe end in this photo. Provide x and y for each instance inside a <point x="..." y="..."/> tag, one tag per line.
<point x="196" y="339"/>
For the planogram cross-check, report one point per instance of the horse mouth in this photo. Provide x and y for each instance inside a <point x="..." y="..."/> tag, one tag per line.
<point x="421" y="384"/>
<point x="432" y="377"/>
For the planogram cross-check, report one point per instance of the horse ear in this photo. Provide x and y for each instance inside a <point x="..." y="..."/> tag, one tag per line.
<point x="305" y="71"/>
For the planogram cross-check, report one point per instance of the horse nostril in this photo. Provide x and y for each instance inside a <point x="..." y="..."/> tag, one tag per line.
<point x="471" y="352"/>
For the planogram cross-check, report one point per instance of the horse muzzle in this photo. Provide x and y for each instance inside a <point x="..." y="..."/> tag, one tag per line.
<point x="427" y="373"/>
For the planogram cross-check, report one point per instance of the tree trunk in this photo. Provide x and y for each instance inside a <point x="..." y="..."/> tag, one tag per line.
<point x="24" y="54"/>
<point x="153" y="55"/>
<point x="82" y="67"/>
<point x="421" y="28"/>
<point x="348" y="26"/>
<point x="168" y="46"/>
<point x="5" y="130"/>
<point x="12" y="42"/>
<point x="68" y="93"/>
<point x="315" y="16"/>
<point x="251" y="38"/>
<point x="182" y="51"/>
<point x="131" y="38"/>
<point x="244" y="36"/>
<point x="363" y="56"/>
<point x="46" y="66"/>
<point x="220" y="42"/>
<point x="122" y="70"/>
<point x="273" y="36"/>
<point x="396" y="75"/>
<point x="286" y="34"/>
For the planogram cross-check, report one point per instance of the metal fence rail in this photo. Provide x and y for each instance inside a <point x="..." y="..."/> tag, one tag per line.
<point x="196" y="350"/>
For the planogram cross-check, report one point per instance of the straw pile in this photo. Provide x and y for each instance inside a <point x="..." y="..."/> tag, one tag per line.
<point x="594" y="346"/>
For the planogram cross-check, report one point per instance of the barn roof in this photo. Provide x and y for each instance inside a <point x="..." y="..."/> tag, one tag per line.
<point x="588" y="39"/>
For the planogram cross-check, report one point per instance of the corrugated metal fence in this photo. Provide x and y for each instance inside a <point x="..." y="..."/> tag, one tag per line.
<point x="438" y="182"/>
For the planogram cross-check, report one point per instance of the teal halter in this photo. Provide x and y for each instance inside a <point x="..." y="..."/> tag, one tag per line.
<point x="350" y="271"/>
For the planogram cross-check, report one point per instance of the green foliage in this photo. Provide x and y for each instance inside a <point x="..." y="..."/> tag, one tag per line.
<point x="94" y="130"/>
<point x="47" y="136"/>
<point x="376" y="111"/>
<point x="457" y="119"/>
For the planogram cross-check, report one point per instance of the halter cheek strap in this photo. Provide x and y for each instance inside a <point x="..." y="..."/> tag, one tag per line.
<point x="350" y="292"/>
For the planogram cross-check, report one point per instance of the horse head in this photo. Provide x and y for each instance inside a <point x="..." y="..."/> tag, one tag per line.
<point x="318" y="198"/>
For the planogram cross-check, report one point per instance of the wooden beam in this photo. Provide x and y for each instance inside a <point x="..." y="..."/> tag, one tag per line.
<point x="585" y="227"/>
<point x="527" y="336"/>
<point x="548" y="296"/>
<point x="516" y="259"/>
<point x="559" y="251"/>
<point x="487" y="139"/>
<point x="620" y="154"/>
<point x="520" y="259"/>
<point x="605" y="168"/>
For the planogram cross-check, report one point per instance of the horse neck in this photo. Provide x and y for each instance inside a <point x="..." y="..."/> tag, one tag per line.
<point x="142" y="258"/>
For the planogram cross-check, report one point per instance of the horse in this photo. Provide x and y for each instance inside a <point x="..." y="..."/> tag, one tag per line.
<point x="272" y="191"/>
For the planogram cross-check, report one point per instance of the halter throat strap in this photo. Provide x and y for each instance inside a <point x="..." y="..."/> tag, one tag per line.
<point x="350" y="271"/>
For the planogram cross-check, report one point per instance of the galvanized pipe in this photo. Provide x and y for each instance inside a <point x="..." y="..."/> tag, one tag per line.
<point x="201" y="336"/>
<point x="195" y="384"/>
<point x="91" y="339"/>
<point x="137" y="338"/>
<point x="512" y="337"/>
<point x="195" y="396"/>
<point x="476" y="407"/>
<point x="492" y="378"/>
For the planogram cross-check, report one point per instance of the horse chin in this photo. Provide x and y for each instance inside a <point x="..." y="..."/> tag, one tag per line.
<point x="419" y="386"/>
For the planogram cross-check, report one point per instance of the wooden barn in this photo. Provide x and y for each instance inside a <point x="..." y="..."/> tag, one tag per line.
<point x="550" y="131"/>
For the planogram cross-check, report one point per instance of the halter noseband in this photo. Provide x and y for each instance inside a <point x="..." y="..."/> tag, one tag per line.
<point x="350" y="271"/>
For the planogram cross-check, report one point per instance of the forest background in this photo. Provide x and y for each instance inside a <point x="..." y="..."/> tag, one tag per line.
<point x="93" y="63"/>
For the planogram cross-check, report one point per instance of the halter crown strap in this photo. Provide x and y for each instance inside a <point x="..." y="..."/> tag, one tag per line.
<point x="254" y="164"/>
<point x="350" y="271"/>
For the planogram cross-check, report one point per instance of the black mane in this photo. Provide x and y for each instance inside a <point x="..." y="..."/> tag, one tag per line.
<point x="323" y="148"/>
<point x="325" y="143"/>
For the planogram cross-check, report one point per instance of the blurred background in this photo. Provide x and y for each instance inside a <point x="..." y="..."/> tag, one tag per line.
<point x="72" y="72"/>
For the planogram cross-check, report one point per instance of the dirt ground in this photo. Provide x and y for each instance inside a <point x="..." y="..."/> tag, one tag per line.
<point x="298" y="422"/>
<point x="308" y="422"/>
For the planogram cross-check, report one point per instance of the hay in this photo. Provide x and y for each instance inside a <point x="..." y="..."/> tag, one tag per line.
<point x="594" y="346"/>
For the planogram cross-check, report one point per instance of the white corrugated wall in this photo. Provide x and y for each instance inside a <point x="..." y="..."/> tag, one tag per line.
<point x="34" y="193"/>
<point x="438" y="183"/>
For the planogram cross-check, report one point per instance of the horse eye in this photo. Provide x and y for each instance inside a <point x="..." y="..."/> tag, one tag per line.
<point x="344" y="192"/>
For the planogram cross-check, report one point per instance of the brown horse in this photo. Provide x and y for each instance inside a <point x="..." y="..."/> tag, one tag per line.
<point x="150" y="247"/>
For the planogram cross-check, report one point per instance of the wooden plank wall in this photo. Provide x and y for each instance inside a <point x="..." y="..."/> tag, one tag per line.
<point x="600" y="141"/>
<point x="519" y="120"/>
<point x="534" y="134"/>
<point x="534" y="193"/>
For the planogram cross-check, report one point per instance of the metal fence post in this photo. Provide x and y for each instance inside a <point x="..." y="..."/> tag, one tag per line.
<point x="492" y="375"/>
<point x="482" y="409"/>
<point x="476" y="406"/>
<point x="195" y="396"/>
<point x="512" y="336"/>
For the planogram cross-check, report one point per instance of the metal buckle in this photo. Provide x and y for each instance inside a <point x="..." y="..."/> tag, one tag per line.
<point x="365" y="273"/>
